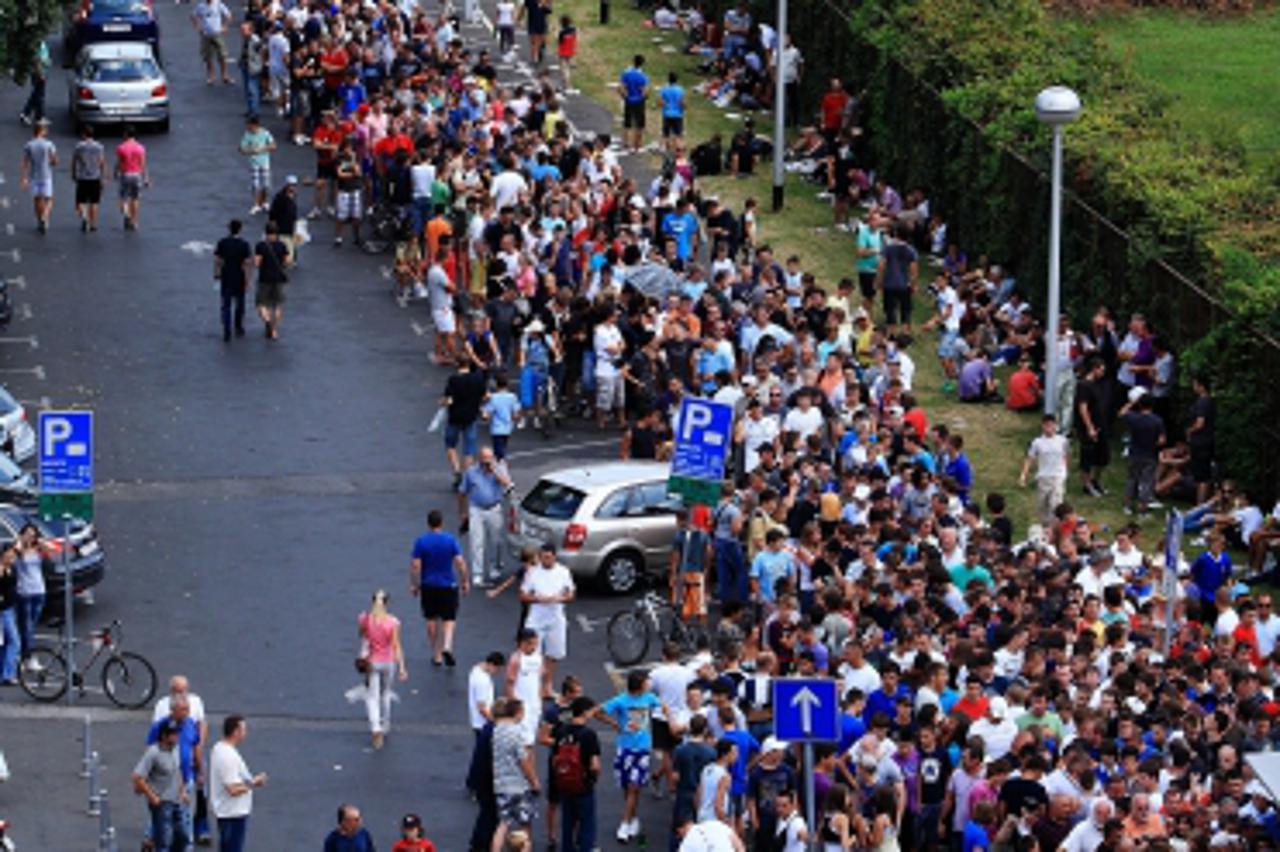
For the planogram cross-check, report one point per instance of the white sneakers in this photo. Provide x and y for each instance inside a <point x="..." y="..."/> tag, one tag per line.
<point x="628" y="830"/>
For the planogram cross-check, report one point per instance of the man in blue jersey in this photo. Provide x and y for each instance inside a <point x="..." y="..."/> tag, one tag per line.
<point x="672" y="98"/>
<point x="635" y="91"/>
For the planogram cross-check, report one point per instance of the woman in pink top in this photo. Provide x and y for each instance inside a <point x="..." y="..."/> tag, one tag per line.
<point x="380" y="637"/>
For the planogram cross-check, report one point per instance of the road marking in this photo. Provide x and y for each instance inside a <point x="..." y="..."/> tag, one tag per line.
<point x="197" y="247"/>
<point x="43" y="403"/>
<point x="24" y="311"/>
<point x="385" y="272"/>
<point x="588" y="625"/>
<point x="19" y="281"/>
<point x="1" y="178"/>
<point x="16" y="254"/>
<point x="602" y="442"/>
<point x="418" y="328"/>
<point x="9" y="228"/>
<point x="30" y="340"/>
<point x="4" y="201"/>
<point x="37" y="371"/>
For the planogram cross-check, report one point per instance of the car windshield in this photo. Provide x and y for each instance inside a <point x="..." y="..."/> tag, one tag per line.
<point x="118" y="7"/>
<point x="552" y="500"/>
<point x="120" y="70"/>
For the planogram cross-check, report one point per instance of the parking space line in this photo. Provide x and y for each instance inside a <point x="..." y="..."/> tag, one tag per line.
<point x="603" y="442"/>
<point x="418" y="328"/>
<point x="30" y="340"/>
<point x="24" y="311"/>
<point x="19" y="281"/>
<point x="43" y="403"/>
<point x="37" y="371"/>
<point x="9" y="229"/>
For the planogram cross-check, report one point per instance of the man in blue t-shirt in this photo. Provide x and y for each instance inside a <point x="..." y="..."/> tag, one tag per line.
<point x="435" y="572"/>
<point x="635" y="91"/>
<point x="672" y="97"/>
<point x="682" y="226"/>
<point x="631" y="712"/>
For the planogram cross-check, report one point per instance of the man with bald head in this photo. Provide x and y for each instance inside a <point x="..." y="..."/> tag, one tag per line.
<point x="1089" y="834"/>
<point x="179" y="687"/>
<point x="189" y="745"/>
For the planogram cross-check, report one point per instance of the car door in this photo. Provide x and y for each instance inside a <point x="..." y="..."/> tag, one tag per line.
<point x="652" y="522"/>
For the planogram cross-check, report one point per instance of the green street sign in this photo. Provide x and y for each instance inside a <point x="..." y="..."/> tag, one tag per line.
<point x="694" y="492"/>
<point x="75" y="505"/>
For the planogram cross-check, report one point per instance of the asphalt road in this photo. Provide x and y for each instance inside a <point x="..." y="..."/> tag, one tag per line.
<point x="253" y="495"/>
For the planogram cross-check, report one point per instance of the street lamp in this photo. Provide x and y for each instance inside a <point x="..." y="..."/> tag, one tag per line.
<point x="1056" y="106"/>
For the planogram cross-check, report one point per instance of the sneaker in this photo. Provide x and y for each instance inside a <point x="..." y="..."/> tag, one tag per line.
<point x="337" y="242"/>
<point x="948" y="386"/>
<point x="84" y="226"/>
<point x="1155" y="504"/>
<point x="624" y="833"/>
<point x="634" y="828"/>
<point x="449" y="659"/>
<point x="313" y="213"/>
<point x="419" y="291"/>
<point x="1091" y="489"/>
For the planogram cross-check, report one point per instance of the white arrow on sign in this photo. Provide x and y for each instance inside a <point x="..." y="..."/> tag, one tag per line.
<point x="197" y="247"/>
<point x="807" y="699"/>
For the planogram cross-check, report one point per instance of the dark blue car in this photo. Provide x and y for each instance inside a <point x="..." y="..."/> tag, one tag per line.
<point x="91" y="21"/>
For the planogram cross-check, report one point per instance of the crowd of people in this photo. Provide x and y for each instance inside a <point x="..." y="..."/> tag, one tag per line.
<point x="1004" y="685"/>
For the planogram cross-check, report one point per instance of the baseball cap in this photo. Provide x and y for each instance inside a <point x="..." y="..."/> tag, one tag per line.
<point x="291" y="180"/>
<point x="411" y="821"/>
<point x="773" y="744"/>
<point x="997" y="708"/>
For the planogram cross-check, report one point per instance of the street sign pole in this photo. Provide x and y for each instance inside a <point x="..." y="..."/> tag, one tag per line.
<point x="68" y="618"/>
<point x="1169" y="582"/>
<point x="810" y="811"/>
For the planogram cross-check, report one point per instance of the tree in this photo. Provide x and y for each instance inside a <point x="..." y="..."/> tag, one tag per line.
<point x="23" y="23"/>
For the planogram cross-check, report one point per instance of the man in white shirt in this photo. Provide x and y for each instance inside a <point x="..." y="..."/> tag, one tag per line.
<point x="755" y="429"/>
<point x="670" y="681"/>
<point x="608" y="345"/>
<point x="507" y="186"/>
<point x="1050" y="452"/>
<point x="546" y="590"/>
<point x="1089" y="835"/>
<point x="231" y="786"/>
<point x="791" y="835"/>
<point x="480" y="692"/>
<point x="210" y="19"/>
<point x="855" y="672"/>
<point x="1095" y="577"/>
<point x="996" y="729"/>
<point x="709" y="836"/>
<point x="805" y="419"/>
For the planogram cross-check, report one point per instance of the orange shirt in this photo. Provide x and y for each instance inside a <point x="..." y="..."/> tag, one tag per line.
<point x="1024" y="391"/>
<point x="917" y="420"/>
<point x="436" y="228"/>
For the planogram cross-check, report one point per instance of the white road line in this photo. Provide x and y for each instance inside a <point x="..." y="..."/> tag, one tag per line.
<point x="385" y="272"/>
<point x="418" y="328"/>
<point x="9" y="229"/>
<point x="30" y="340"/>
<point x="19" y="281"/>
<point x="588" y="625"/>
<point x="42" y="403"/>
<point x="24" y="311"/>
<point x="16" y="254"/>
<point x="37" y="371"/>
<point x="602" y="442"/>
<point x="4" y="201"/>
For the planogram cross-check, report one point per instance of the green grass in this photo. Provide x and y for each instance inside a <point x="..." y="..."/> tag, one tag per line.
<point x="995" y="438"/>
<point x="1221" y="72"/>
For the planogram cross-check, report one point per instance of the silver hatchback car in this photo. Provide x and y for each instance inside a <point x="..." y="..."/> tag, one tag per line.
<point x="612" y="523"/>
<point x="118" y="82"/>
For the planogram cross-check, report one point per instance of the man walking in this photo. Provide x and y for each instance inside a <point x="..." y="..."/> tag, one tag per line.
<point x="231" y="786"/>
<point x="88" y="164"/>
<point x="258" y="144"/>
<point x="546" y="589"/>
<point x="635" y="92"/>
<point x="232" y="265"/>
<point x="158" y="777"/>
<point x="463" y="395"/>
<point x="33" y="110"/>
<point x="1095" y="443"/>
<point x="190" y="761"/>
<point x="210" y="19"/>
<point x="284" y="214"/>
<point x="515" y="781"/>
<point x="575" y="769"/>
<point x="1146" y="439"/>
<point x="270" y="257"/>
<point x="1050" y="453"/>
<point x="131" y="171"/>
<point x="436" y="569"/>
<point x="180" y="690"/>
<point x="480" y="495"/>
<point x="39" y="156"/>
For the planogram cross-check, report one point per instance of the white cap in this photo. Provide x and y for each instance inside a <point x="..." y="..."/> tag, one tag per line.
<point x="862" y="492"/>
<point x="773" y="744"/>
<point x="1136" y="394"/>
<point x="998" y="708"/>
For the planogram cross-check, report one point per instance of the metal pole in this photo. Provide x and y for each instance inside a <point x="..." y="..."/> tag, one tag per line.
<point x="105" y="830"/>
<point x="68" y="617"/>
<point x="1055" y="275"/>
<point x="779" y="110"/>
<point x="809" y="809"/>
<point x="95" y="803"/>
<point x="604" y="12"/>
<point x="87" y="739"/>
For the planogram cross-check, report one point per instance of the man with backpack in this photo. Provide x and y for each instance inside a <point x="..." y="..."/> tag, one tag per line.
<point x="575" y="767"/>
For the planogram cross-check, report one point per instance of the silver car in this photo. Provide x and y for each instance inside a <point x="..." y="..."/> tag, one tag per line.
<point x="119" y="82"/>
<point x="612" y="523"/>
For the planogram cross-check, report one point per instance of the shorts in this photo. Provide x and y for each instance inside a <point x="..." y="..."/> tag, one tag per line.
<point x="260" y="177"/>
<point x="349" y="205"/>
<point x="609" y="392"/>
<point x="897" y="307"/>
<point x="326" y="171"/>
<point x="947" y="344"/>
<point x="631" y="768"/>
<point x="693" y="595"/>
<point x="671" y="126"/>
<point x="88" y="191"/>
<point x="633" y="115"/>
<point x="212" y="47"/>
<point x="1201" y="463"/>
<point x="445" y="319"/>
<point x="42" y="189"/>
<point x="867" y="284"/>
<point x="278" y="85"/>
<point x="663" y="739"/>
<point x="467" y="434"/>
<point x="439" y="602"/>
<point x="130" y="187"/>
<point x="1094" y="454"/>
<point x="515" y="809"/>
<point x="553" y="639"/>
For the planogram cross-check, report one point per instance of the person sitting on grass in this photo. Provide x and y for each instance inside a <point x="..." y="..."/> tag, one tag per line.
<point x="977" y="382"/>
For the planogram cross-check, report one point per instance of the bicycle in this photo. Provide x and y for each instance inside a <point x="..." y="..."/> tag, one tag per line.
<point x="630" y="631"/>
<point x="127" y="678"/>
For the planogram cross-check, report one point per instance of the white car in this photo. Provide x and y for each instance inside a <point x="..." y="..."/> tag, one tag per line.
<point x="17" y="438"/>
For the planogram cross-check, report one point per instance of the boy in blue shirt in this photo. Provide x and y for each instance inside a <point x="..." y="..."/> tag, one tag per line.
<point x="769" y="565"/>
<point x="672" y="97"/>
<point x="747" y="748"/>
<point x="631" y="712"/>
<point x="502" y="409"/>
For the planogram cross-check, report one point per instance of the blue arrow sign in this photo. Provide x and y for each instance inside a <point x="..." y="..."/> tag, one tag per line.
<point x="806" y="710"/>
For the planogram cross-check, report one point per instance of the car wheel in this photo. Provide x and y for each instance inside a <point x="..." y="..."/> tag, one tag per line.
<point x="163" y="125"/>
<point x="620" y="572"/>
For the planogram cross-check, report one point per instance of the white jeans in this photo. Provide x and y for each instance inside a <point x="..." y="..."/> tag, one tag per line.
<point x="377" y="700"/>
<point x="484" y="539"/>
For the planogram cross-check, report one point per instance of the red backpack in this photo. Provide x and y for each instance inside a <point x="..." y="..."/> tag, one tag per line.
<point x="567" y="769"/>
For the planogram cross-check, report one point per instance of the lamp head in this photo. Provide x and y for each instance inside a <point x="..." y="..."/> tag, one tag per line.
<point x="1058" y="105"/>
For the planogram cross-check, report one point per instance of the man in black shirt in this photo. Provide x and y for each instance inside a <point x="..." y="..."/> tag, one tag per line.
<point x="284" y="213"/>
<point x="575" y="768"/>
<point x="1200" y="438"/>
<point x="463" y="395"/>
<point x="1025" y="794"/>
<point x="1146" y="437"/>
<point x="1095" y="447"/>
<point x="270" y="256"/>
<point x="232" y="260"/>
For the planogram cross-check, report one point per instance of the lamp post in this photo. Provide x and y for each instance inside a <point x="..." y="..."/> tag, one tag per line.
<point x="1056" y="106"/>
<point x="779" y="113"/>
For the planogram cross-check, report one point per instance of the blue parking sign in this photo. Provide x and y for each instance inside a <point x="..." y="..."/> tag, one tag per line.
<point x="805" y="710"/>
<point x="704" y="433"/>
<point x="66" y="451"/>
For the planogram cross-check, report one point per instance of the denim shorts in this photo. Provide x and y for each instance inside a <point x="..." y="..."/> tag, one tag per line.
<point x="466" y="433"/>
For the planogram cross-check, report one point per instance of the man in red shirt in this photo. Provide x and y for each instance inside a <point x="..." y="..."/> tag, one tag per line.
<point x="974" y="702"/>
<point x="333" y="62"/>
<point x="326" y="140"/>
<point x="1024" y="388"/>
<point x="833" y="104"/>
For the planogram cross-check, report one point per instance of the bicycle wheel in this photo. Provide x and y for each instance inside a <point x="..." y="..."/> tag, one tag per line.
<point x="128" y="680"/>
<point x="43" y="674"/>
<point x="628" y="638"/>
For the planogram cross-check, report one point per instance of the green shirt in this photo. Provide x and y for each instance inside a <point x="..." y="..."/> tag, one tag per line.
<point x="869" y="238"/>
<point x="257" y="145"/>
<point x="962" y="575"/>
<point x="1049" y="722"/>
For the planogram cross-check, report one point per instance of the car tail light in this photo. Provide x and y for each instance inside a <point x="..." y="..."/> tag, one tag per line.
<point x="54" y="546"/>
<point x="575" y="535"/>
<point x="160" y="91"/>
<point x="85" y="93"/>
<point x="513" y="520"/>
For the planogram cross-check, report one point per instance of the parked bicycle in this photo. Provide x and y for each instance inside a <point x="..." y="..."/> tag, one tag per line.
<point x="631" y="631"/>
<point x="127" y="678"/>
